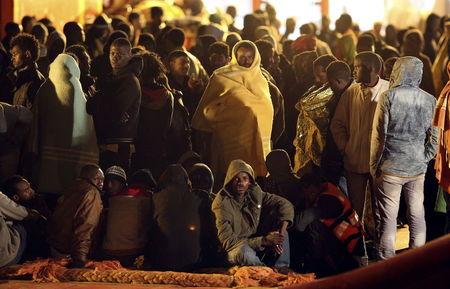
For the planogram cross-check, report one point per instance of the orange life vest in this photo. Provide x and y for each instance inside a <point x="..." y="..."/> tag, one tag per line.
<point x="346" y="227"/>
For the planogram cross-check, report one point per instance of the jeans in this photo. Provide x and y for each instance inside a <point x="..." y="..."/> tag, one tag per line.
<point x="244" y="255"/>
<point x="388" y="191"/>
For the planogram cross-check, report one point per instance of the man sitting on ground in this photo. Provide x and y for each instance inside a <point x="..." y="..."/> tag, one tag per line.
<point x="72" y="226"/>
<point x="239" y="208"/>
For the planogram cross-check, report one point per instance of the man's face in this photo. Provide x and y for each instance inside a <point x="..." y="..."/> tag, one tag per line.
<point x="361" y="72"/>
<point x="19" y="57"/>
<point x="24" y="191"/>
<point x="245" y="56"/>
<point x="240" y="183"/>
<point x="320" y="75"/>
<point x="180" y="66"/>
<point x="119" y="56"/>
<point x="217" y="60"/>
<point x="113" y="186"/>
<point x="98" y="179"/>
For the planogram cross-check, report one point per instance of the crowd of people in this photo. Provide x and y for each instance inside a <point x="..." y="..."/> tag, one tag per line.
<point x="248" y="148"/>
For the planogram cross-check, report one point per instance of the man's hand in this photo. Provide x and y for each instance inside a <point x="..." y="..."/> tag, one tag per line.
<point x="273" y="239"/>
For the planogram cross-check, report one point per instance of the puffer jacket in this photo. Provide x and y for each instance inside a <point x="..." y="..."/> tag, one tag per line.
<point x="237" y="222"/>
<point x="72" y="226"/>
<point x="403" y="138"/>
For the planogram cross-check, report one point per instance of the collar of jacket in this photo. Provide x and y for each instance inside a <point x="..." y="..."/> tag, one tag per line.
<point x="134" y="67"/>
<point x="252" y="196"/>
<point x="24" y="75"/>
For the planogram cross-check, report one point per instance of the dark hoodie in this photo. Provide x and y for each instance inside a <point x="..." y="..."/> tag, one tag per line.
<point x="175" y="241"/>
<point x="115" y="105"/>
<point x="282" y="179"/>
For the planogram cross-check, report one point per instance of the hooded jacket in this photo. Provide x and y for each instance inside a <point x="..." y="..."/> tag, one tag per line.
<point x="236" y="108"/>
<point x="175" y="240"/>
<point x="63" y="135"/>
<point x="237" y="222"/>
<point x="403" y="139"/>
<point x="115" y="106"/>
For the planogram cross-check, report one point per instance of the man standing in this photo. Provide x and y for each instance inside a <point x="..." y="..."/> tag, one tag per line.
<point x="72" y="226"/>
<point x="237" y="112"/>
<point x="25" y="77"/>
<point x="352" y="125"/>
<point x="339" y="78"/>
<point x="115" y="107"/>
<point x="240" y="209"/>
<point x="403" y="142"/>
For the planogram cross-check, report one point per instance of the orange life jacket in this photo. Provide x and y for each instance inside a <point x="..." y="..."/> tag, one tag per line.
<point x="346" y="227"/>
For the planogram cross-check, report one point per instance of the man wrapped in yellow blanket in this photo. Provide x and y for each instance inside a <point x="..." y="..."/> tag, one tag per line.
<point x="237" y="111"/>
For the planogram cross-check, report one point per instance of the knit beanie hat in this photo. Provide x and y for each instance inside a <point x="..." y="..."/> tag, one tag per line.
<point x="116" y="171"/>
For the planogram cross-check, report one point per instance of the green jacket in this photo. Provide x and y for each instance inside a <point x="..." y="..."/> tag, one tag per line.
<point x="237" y="222"/>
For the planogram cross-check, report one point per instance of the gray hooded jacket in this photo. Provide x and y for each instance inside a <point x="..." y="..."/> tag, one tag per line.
<point x="403" y="138"/>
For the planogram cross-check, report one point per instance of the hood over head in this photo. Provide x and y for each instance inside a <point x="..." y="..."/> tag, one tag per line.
<point x="201" y="177"/>
<point x="235" y="168"/>
<point x="256" y="61"/>
<point x="188" y="159"/>
<point x="143" y="177"/>
<point x="278" y="163"/>
<point x="407" y="71"/>
<point x="64" y="67"/>
<point x="174" y="175"/>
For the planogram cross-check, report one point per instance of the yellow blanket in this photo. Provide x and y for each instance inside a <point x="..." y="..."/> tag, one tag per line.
<point x="236" y="108"/>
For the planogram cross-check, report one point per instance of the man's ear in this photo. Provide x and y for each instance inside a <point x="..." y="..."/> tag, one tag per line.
<point x="16" y="198"/>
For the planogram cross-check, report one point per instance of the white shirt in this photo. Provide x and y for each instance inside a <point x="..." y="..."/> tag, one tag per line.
<point x="376" y="91"/>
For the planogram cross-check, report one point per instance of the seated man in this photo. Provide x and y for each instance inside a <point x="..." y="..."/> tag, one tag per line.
<point x="334" y="236"/>
<point x="239" y="207"/>
<point x="72" y="226"/>
<point x="20" y="191"/>
<point x="115" y="183"/>
<point x="12" y="235"/>
<point x="129" y="219"/>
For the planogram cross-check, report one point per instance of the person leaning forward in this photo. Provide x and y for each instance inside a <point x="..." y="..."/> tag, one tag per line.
<point x="238" y="210"/>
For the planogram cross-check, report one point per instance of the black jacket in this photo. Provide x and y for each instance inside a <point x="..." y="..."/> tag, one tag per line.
<point x="163" y="131"/>
<point x="115" y="105"/>
<point x="26" y="83"/>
